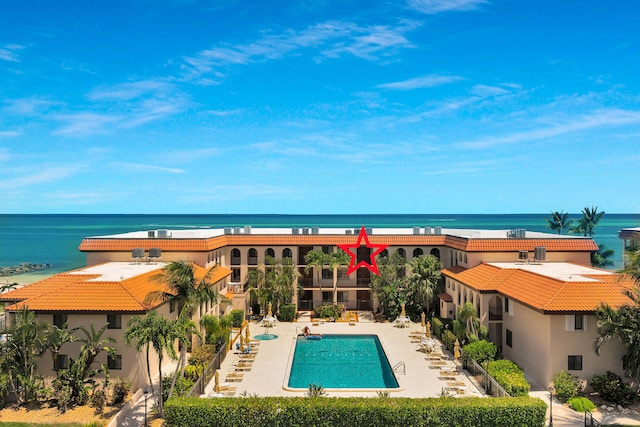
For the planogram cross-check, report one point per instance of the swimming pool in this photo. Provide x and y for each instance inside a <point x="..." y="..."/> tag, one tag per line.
<point x="341" y="362"/>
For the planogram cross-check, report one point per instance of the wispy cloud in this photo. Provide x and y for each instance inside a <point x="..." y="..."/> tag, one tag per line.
<point x="9" y="134"/>
<point x="485" y="91"/>
<point x="4" y="154"/>
<point x="85" y="123"/>
<point x="239" y="192"/>
<point x="330" y="39"/>
<point x="436" y="6"/>
<point x="9" y="52"/>
<point x="186" y="156"/>
<point x="431" y="80"/>
<point x="593" y="120"/>
<point x="42" y="176"/>
<point x="132" y="90"/>
<point x="27" y="106"/>
<point x="139" y="167"/>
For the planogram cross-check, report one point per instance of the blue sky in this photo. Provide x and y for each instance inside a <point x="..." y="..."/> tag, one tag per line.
<point x="415" y="106"/>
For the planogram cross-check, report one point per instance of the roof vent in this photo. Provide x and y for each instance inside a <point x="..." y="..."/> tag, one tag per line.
<point x="437" y="230"/>
<point x="540" y="253"/>
<point x="315" y="230"/>
<point x="368" y="230"/>
<point x="295" y="230"/>
<point x="155" y="254"/>
<point x="427" y="229"/>
<point x="151" y="234"/>
<point x="163" y="234"/>
<point x="237" y="230"/>
<point x="247" y="229"/>
<point x="416" y="230"/>
<point x="521" y="233"/>
<point x="348" y="231"/>
<point x="523" y="256"/>
<point x="228" y="230"/>
<point x="137" y="254"/>
<point x="305" y="230"/>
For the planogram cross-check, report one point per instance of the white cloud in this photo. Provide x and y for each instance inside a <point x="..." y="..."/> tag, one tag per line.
<point x="27" y="106"/>
<point x="186" y="156"/>
<point x="85" y="123"/>
<point x="46" y="175"/>
<point x="436" y="6"/>
<point x="421" y="82"/>
<point x="485" y="91"/>
<point x="9" y="52"/>
<point x="9" y="134"/>
<point x="331" y="38"/>
<point x="596" y="119"/>
<point x="131" y="90"/>
<point x="139" y="167"/>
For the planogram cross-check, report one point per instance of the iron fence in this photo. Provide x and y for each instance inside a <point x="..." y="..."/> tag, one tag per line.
<point x="589" y="421"/>
<point x="488" y="383"/>
<point x="207" y="374"/>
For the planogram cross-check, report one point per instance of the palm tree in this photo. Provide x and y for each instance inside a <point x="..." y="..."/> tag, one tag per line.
<point x="559" y="221"/>
<point x="256" y="281"/>
<point x="624" y="326"/>
<point x="316" y="259"/>
<point x="157" y="332"/>
<point x="8" y="287"/>
<point x="587" y="224"/>
<point x="335" y="261"/>
<point x="184" y="328"/>
<point x="281" y="279"/>
<point x="424" y="278"/>
<point x="602" y="257"/>
<point x="93" y="344"/>
<point x="56" y="338"/>
<point x="633" y="265"/>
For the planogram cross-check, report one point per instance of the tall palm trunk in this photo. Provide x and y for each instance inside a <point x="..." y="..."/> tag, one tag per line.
<point x="149" y="371"/>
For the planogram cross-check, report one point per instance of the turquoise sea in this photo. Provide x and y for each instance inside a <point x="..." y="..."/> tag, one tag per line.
<point x="54" y="239"/>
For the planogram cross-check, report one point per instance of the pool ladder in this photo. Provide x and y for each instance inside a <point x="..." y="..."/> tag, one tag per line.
<point x="400" y="368"/>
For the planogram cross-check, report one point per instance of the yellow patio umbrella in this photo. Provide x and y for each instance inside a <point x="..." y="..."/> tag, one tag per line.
<point x="428" y="329"/>
<point x="216" y="386"/>
<point x="269" y="310"/>
<point x="246" y="333"/>
<point x="403" y="313"/>
<point x="241" y="344"/>
<point x="422" y="319"/>
<point x="456" y="350"/>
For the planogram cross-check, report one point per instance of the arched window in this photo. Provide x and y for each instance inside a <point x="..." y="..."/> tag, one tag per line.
<point x="269" y="253"/>
<point x="435" y="252"/>
<point x="253" y="257"/>
<point x="235" y="256"/>
<point x="384" y="253"/>
<point x="286" y="253"/>
<point x="417" y="252"/>
<point x="465" y="258"/>
<point x="401" y="252"/>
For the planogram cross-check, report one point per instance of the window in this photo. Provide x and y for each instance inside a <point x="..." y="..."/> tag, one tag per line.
<point x="115" y="321"/>
<point x="59" y="319"/>
<point x="417" y="252"/>
<point x="235" y="274"/>
<point x="327" y="296"/>
<point x="235" y="257"/>
<point x="575" y="363"/>
<point x="286" y="253"/>
<point x="507" y="305"/>
<point x="172" y="305"/>
<point x="509" y="338"/>
<point x="62" y="362"/>
<point x="326" y="250"/>
<point x="465" y="258"/>
<point x="435" y="252"/>
<point x="578" y="322"/>
<point x="327" y="273"/>
<point x="252" y="257"/>
<point x="343" y="296"/>
<point x="269" y="253"/>
<point x="401" y="252"/>
<point x="115" y="362"/>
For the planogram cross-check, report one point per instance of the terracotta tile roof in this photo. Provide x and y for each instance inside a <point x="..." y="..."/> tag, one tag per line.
<point x="445" y="297"/>
<point x="79" y="293"/>
<point x="104" y="244"/>
<point x="544" y="293"/>
<point x="455" y="269"/>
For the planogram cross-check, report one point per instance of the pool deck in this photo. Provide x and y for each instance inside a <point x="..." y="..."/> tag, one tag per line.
<point x="268" y="372"/>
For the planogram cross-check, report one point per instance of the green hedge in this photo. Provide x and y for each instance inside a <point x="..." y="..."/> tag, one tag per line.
<point x="287" y="312"/>
<point x="509" y="376"/>
<point x="437" y="326"/>
<point x="448" y="339"/>
<point x="237" y="317"/>
<point x="327" y="310"/>
<point x="355" y="412"/>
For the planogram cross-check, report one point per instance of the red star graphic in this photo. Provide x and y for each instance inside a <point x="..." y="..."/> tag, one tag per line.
<point x="372" y="265"/>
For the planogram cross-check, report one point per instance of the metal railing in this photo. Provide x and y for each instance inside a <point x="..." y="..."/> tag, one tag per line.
<point x="589" y="421"/>
<point x="400" y="368"/>
<point x="207" y="374"/>
<point x="490" y="385"/>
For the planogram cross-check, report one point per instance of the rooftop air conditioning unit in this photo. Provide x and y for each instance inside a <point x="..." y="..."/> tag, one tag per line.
<point x="348" y="231"/>
<point x="295" y="230"/>
<point x="227" y="230"/>
<point x="416" y="230"/>
<point x="521" y="233"/>
<point x="540" y="253"/>
<point x="427" y="229"/>
<point x="305" y="230"/>
<point x="151" y="234"/>
<point x="247" y="229"/>
<point x="237" y="230"/>
<point x="163" y="234"/>
<point x="523" y="255"/>
<point x="315" y="230"/>
<point x="437" y="230"/>
<point x="368" y="230"/>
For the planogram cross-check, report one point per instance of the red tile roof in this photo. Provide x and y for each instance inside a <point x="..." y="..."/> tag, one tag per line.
<point x="544" y="293"/>
<point x="565" y="244"/>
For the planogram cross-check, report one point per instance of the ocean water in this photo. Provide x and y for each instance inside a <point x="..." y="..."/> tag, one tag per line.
<point x="54" y="239"/>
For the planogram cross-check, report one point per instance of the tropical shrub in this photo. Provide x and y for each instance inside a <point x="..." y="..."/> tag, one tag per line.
<point x="356" y="412"/>
<point x="316" y="390"/>
<point x="182" y="388"/>
<point x="237" y="317"/>
<point x="480" y="351"/>
<point x="437" y="326"/>
<point x="98" y="399"/>
<point x="566" y="385"/>
<point x="287" y="312"/>
<point x="121" y="388"/>
<point x="509" y="376"/>
<point x="193" y="372"/>
<point x="449" y="339"/>
<point x="4" y="388"/>
<point x="327" y="310"/>
<point x="202" y="355"/>
<point x="612" y="388"/>
<point x="581" y="404"/>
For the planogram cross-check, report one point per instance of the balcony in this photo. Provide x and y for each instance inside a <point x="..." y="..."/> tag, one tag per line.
<point x="495" y="312"/>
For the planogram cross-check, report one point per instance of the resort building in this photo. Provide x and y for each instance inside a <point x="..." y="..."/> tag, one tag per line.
<point x="630" y="242"/>
<point x="533" y="291"/>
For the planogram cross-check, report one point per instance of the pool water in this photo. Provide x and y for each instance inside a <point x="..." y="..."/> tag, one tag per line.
<point x="341" y="362"/>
